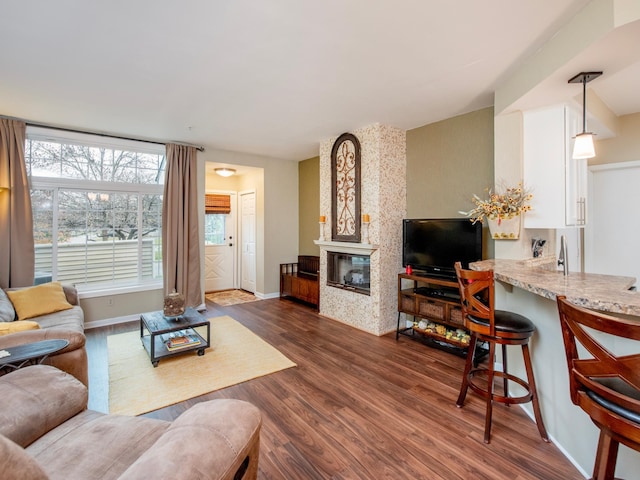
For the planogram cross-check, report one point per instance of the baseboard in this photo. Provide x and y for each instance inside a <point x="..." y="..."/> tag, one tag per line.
<point x="266" y="296"/>
<point x="131" y="318"/>
<point x="111" y="321"/>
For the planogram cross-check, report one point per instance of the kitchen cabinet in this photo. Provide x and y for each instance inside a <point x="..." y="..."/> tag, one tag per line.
<point x="557" y="181"/>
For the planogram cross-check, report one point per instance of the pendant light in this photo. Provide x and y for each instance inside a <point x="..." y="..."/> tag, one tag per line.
<point x="583" y="145"/>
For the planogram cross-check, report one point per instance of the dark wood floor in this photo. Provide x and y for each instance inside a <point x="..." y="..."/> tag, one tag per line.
<point x="363" y="407"/>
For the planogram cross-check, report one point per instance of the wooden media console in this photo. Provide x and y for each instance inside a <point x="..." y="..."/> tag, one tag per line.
<point x="301" y="280"/>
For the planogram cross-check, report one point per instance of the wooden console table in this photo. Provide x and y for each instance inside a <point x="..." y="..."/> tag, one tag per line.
<point x="301" y="280"/>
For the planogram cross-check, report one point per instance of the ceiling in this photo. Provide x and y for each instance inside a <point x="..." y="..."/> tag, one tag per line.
<point x="269" y="78"/>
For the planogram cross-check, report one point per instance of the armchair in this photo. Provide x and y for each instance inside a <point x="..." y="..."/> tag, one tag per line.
<point x="46" y="432"/>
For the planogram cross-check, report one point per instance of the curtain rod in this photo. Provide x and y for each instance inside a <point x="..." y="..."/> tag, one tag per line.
<point x="107" y="135"/>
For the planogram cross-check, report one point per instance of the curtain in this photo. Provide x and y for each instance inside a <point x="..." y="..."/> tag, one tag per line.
<point x="180" y="232"/>
<point x="16" y="220"/>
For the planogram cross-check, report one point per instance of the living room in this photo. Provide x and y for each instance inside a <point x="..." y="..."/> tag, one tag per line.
<point x="470" y="139"/>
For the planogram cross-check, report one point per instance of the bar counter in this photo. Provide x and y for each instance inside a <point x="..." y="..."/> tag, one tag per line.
<point x="607" y="293"/>
<point x="529" y="287"/>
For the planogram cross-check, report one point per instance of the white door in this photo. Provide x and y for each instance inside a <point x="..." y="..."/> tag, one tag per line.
<point x="248" y="241"/>
<point x="613" y="229"/>
<point x="220" y="248"/>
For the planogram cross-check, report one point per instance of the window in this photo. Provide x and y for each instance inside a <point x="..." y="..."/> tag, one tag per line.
<point x="214" y="229"/>
<point x="97" y="208"/>
<point x="217" y="207"/>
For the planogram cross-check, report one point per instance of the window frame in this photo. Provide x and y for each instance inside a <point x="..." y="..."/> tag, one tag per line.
<point x="83" y="185"/>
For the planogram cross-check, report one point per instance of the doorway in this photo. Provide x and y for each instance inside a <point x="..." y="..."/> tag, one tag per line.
<point x="220" y="248"/>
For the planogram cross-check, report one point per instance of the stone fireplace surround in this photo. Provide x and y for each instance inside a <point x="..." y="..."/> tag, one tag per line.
<point x="383" y="198"/>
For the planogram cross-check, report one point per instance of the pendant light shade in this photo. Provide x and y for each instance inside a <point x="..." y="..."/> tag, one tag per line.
<point x="583" y="145"/>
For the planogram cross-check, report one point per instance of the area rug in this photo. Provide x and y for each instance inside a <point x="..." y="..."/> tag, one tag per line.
<point x="235" y="356"/>
<point x="231" y="297"/>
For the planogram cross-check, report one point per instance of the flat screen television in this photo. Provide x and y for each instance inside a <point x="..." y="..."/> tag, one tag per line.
<point x="432" y="246"/>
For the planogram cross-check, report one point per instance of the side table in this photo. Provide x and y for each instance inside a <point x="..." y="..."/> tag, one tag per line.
<point x="154" y="324"/>
<point x="29" y="354"/>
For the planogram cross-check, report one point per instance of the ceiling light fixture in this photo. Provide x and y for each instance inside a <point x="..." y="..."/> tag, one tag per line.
<point x="224" y="172"/>
<point x="583" y="145"/>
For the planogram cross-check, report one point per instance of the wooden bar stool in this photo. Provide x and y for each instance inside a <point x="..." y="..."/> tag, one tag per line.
<point x="495" y="327"/>
<point x="605" y="386"/>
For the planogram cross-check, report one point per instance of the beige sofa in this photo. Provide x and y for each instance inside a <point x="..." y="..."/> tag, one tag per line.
<point x="46" y="432"/>
<point x="67" y="324"/>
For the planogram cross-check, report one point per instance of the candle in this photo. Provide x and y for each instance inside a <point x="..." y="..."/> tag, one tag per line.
<point x="365" y="218"/>
<point x="323" y="218"/>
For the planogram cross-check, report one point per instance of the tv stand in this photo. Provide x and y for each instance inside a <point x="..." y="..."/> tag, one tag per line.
<point x="438" y="293"/>
<point x="442" y="276"/>
<point x="434" y="304"/>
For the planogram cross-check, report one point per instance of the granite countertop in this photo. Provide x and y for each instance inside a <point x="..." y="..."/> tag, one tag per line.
<point x="606" y="293"/>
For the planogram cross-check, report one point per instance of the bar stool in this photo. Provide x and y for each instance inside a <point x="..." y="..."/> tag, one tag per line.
<point x="495" y="327"/>
<point x="605" y="386"/>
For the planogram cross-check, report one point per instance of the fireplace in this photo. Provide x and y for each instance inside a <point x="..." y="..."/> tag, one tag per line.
<point x="349" y="271"/>
<point x="359" y="288"/>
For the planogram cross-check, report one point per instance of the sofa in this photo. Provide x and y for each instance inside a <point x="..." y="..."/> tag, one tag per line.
<point x="46" y="432"/>
<point x="66" y="324"/>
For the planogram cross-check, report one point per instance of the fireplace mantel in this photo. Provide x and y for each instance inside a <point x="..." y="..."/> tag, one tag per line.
<point x="347" y="247"/>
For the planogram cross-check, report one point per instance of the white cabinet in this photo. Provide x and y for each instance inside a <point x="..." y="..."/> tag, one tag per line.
<point x="557" y="181"/>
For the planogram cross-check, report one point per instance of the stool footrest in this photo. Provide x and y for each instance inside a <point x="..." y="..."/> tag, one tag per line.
<point x="485" y="393"/>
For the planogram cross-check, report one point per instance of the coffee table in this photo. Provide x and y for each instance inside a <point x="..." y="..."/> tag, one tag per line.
<point x="29" y="354"/>
<point x="154" y="325"/>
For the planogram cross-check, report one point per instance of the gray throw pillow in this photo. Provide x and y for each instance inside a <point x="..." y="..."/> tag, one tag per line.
<point x="7" y="312"/>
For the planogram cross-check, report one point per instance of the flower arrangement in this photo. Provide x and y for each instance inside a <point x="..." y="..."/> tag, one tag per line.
<point x="499" y="206"/>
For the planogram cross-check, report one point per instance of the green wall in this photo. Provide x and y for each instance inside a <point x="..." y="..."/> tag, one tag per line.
<point x="447" y="162"/>
<point x="309" y="205"/>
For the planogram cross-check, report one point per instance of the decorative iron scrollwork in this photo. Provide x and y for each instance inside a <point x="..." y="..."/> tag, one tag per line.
<point x="345" y="194"/>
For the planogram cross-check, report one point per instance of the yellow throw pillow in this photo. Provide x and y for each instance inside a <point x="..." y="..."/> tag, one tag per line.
<point x="39" y="300"/>
<point x="18" y="326"/>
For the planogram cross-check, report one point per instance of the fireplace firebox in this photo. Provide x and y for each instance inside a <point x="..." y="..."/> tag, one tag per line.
<point x="349" y="271"/>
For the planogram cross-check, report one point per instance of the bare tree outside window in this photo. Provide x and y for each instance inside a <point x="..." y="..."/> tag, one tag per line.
<point x="103" y="215"/>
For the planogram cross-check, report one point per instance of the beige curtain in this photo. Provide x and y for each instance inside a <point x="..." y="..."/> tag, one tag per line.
<point x="180" y="232"/>
<point x="16" y="220"/>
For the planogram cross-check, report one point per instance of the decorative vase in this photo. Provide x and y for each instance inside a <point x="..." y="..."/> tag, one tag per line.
<point x="505" y="227"/>
<point x="173" y="305"/>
